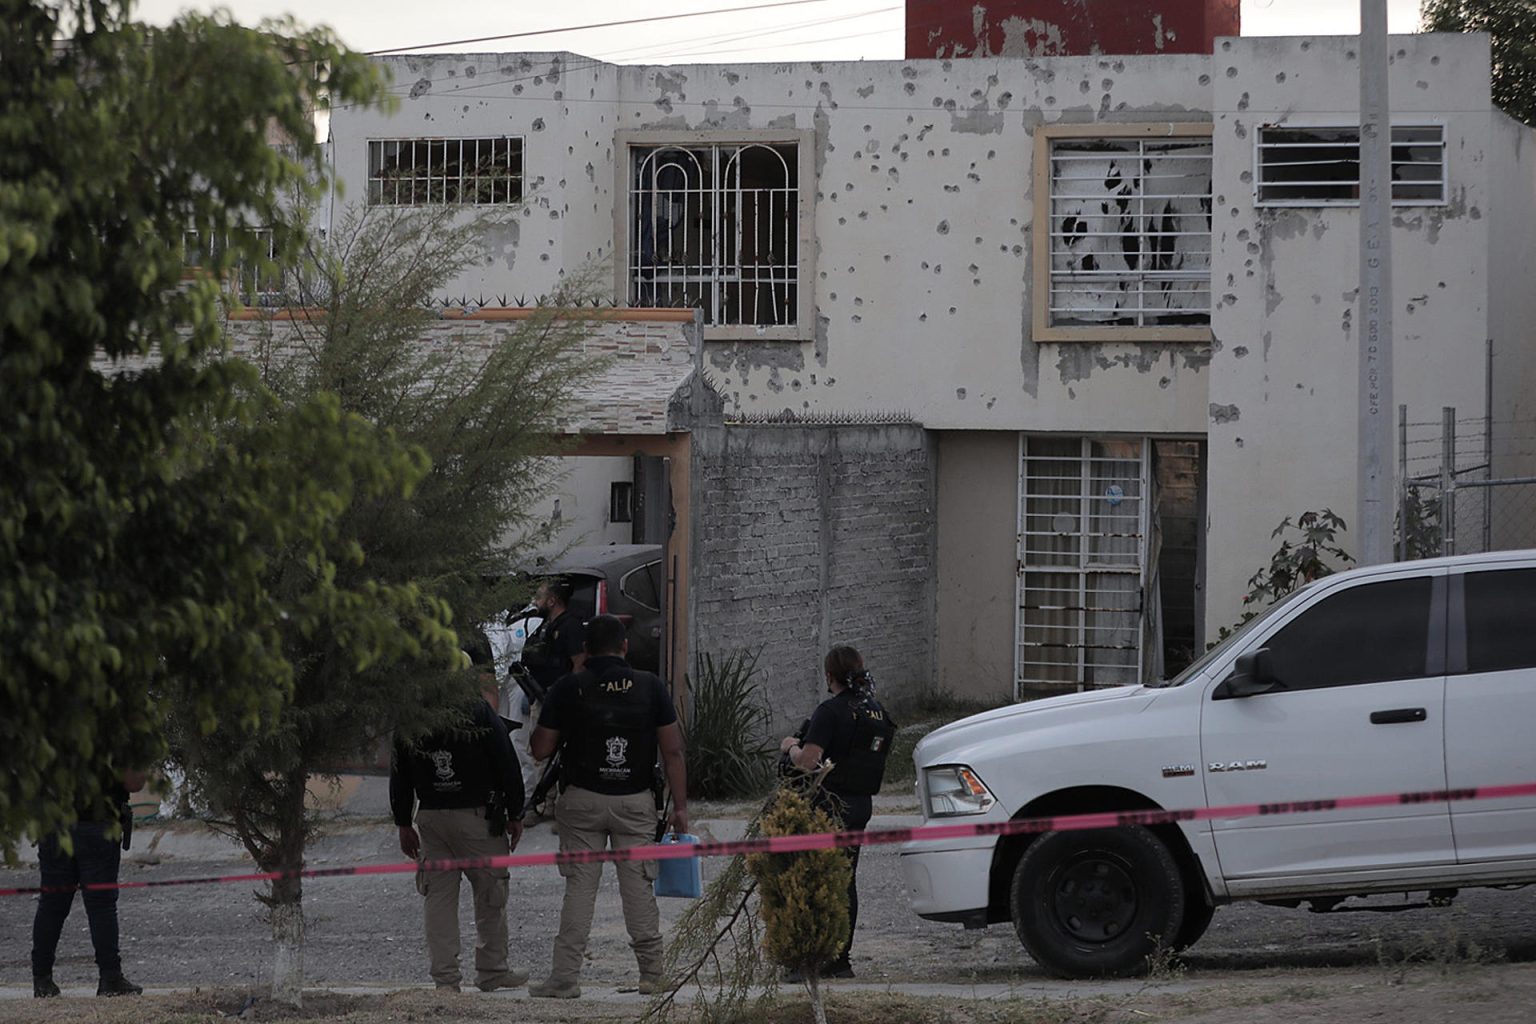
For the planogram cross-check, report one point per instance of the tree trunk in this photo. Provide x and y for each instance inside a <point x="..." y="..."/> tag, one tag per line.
<point x="287" y="947"/>
<point x="287" y="905"/>
<point x="813" y="985"/>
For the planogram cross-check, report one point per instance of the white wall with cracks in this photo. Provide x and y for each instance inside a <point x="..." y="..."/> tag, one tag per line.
<point x="921" y="261"/>
<point x="1283" y="385"/>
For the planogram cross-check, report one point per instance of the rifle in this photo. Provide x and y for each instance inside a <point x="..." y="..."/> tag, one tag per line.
<point x="519" y="674"/>
<point x="547" y="781"/>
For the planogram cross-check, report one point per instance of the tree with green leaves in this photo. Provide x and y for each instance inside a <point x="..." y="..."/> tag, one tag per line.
<point x="138" y="545"/>
<point x="1512" y="26"/>
<point x="484" y="412"/>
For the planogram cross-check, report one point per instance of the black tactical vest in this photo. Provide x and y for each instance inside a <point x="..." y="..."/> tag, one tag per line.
<point x="539" y="656"/>
<point x="613" y="751"/>
<point x="862" y="768"/>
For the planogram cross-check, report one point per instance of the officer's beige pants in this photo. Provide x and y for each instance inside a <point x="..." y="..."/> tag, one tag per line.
<point x="461" y="833"/>
<point x="592" y="821"/>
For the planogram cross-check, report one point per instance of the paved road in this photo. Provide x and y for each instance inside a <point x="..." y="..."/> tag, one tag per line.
<point x="367" y="930"/>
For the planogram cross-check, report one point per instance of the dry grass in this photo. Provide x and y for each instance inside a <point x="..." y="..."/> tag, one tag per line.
<point x="1502" y="994"/>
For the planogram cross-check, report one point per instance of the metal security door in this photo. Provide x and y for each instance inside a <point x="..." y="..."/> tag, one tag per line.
<point x="1082" y="561"/>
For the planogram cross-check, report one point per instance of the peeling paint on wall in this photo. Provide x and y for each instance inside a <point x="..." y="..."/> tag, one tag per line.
<point x="1224" y="413"/>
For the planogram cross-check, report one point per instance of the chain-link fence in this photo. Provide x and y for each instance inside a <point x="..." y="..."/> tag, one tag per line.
<point x="1468" y="485"/>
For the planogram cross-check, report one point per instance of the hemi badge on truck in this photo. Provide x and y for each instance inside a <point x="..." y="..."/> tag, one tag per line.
<point x="1176" y="771"/>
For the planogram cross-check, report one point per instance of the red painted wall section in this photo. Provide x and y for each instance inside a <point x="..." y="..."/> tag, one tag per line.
<point x="1046" y="28"/>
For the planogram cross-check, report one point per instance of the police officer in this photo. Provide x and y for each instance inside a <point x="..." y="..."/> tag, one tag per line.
<point x="95" y="858"/>
<point x="466" y="782"/>
<point x="853" y="731"/>
<point x="608" y="721"/>
<point x="557" y="647"/>
<point x="554" y="650"/>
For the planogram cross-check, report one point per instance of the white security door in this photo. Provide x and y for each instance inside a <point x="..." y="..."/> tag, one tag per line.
<point x="1082" y="561"/>
<point x="1490" y="705"/>
<point x="1359" y="710"/>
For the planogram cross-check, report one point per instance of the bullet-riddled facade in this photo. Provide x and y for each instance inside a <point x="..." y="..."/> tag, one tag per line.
<point x="1014" y="362"/>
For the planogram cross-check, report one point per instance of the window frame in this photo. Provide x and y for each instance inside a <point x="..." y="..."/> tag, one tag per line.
<point x="1042" y="330"/>
<point x="654" y="582"/>
<point x="627" y="142"/>
<point x="520" y="175"/>
<point x="1460" y="657"/>
<point x="1347" y="203"/>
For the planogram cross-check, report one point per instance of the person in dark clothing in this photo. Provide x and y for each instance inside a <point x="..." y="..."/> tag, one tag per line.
<point x="557" y="648"/>
<point x="466" y="791"/>
<point x="854" y="732"/>
<point x="609" y="721"/>
<point x="554" y="650"/>
<point x="95" y="861"/>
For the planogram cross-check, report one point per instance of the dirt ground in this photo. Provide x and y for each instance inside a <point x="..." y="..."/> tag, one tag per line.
<point x="1498" y="994"/>
<point x="205" y="955"/>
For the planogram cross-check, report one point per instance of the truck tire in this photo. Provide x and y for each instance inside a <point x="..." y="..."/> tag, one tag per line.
<point x="1097" y="903"/>
<point x="1197" y="918"/>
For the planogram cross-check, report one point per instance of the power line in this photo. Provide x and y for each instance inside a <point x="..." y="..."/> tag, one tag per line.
<point x="798" y="42"/>
<point x="654" y="51"/>
<point x="601" y="24"/>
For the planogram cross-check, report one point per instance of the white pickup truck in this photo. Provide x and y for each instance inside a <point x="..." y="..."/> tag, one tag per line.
<point x="1399" y="678"/>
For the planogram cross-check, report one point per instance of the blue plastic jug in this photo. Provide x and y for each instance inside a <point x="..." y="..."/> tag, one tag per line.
<point x="679" y="876"/>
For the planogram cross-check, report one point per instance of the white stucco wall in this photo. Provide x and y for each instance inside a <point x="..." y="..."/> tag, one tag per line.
<point x="558" y="103"/>
<point x="580" y="485"/>
<point x="1512" y="300"/>
<point x="923" y="208"/>
<point x="922" y="217"/>
<point x="1283" y="386"/>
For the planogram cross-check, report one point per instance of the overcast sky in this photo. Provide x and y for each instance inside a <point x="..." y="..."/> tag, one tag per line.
<point x="797" y="31"/>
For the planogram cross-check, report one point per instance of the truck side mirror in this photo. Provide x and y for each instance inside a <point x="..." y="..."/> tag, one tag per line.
<point x="1253" y="674"/>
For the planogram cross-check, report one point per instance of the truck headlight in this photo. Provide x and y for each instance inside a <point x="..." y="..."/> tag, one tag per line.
<point x="953" y="789"/>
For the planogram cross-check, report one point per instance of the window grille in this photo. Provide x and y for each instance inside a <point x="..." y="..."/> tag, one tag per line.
<point x="716" y="227"/>
<point x="416" y="172"/>
<point x="262" y="283"/>
<point x="1321" y="166"/>
<point x="1082" y="551"/>
<point x="1130" y="232"/>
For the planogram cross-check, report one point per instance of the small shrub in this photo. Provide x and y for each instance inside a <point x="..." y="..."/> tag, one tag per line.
<point x="1311" y="555"/>
<point x="804" y="895"/>
<point x="724" y="729"/>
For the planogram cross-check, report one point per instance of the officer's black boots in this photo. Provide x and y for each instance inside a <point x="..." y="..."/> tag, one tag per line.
<point x="43" y="986"/>
<point x="117" y="985"/>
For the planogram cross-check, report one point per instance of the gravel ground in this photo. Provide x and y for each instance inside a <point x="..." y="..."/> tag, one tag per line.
<point x="366" y="931"/>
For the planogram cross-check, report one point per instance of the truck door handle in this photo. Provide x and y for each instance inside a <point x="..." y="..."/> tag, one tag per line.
<point x="1398" y="715"/>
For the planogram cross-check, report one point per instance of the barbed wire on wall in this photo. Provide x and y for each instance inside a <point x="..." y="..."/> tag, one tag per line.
<point x="820" y="418"/>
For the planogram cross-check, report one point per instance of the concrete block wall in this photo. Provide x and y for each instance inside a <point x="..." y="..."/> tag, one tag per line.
<point x="807" y="536"/>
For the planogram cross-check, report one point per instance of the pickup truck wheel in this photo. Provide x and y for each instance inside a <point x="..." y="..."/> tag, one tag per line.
<point x="1097" y="903"/>
<point x="1197" y="918"/>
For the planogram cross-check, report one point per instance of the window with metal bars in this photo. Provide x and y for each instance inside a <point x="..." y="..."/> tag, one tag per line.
<point x="259" y="281"/>
<point x="1320" y="166"/>
<point x="717" y="227"/>
<point x="418" y="172"/>
<point x="1129" y="232"/>
<point x="1083" y="528"/>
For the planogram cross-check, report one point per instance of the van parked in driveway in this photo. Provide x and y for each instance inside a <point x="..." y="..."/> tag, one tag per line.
<point x="1397" y="678"/>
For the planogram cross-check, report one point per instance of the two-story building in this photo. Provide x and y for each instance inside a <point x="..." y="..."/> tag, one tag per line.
<point x="1011" y="361"/>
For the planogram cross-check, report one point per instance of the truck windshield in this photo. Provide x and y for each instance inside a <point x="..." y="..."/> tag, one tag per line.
<point x="1232" y="640"/>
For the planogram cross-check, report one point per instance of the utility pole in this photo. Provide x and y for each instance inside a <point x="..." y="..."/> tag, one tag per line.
<point x="1376" y="484"/>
